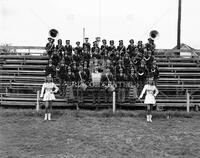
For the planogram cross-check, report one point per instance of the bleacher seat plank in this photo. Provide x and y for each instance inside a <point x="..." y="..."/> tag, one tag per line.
<point x="22" y="77"/>
<point x="176" y="64"/>
<point x="191" y="69"/>
<point x="16" y="66"/>
<point x="36" y="62"/>
<point x="33" y="57"/>
<point x="17" y="103"/>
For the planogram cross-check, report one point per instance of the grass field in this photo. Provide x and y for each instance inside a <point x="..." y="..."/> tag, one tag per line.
<point x="98" y="134"/>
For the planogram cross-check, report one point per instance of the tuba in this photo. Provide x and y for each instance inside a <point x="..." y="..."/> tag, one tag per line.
<point x="53" y="33"/>
<point x="154" y="34"/>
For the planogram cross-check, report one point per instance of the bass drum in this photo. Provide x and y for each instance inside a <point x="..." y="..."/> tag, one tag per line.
<point x="83" y="86"/>
<point x="110" y="88"/>
<point x="96" y="79"/>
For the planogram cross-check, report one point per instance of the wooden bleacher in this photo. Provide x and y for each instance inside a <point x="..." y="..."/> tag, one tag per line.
<point x="22" y="75"/>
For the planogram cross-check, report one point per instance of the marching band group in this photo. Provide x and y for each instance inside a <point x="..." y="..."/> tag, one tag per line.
<point x="126" y="69"/>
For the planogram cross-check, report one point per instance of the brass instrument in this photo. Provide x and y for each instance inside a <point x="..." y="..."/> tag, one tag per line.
<point x="53" y="33"/>
<point x="154" y="34"/>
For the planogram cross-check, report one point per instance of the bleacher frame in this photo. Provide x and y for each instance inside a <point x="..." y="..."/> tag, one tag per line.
<point x="21" y="70"/>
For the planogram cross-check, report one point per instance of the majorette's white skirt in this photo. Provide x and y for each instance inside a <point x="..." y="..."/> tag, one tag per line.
<point x="48" y="96"/>
<point x="149" y="99"/>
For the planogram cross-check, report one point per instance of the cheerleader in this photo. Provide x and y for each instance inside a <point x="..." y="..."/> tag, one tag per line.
<point x="151" y="93"/>
<point x="47" y="93"/>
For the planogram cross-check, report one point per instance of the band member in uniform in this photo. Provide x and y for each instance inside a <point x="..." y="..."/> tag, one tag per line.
<point x="78" y="49"/>
<point x="154" y="73"/>
<point x="62" y="72"/>
<point x="150" y="46"/>
<point x="120" y="78"/>
<point x="68" y="48"/>
<point x="148" y="57"/>
<point x="133" y="78"/>
<point x="126" y="61"/>
<point x="117" y="59"/>
<point x="86" y="55"/>
<point x="131" y="49"/>
<point x="75" y="57"/>
<point x="70" y="78"/>
<point x="140" y="47"/>
<point x="50" y="47"/>
<point x="121" y="48"/>
<point x="87" y="44"/>
<point x="110" y="66"/>
<point x="142" y="75"/>
<point x="50" y="69"/>
<point x="95" y="48"/>
<point x="68" y="59"/>
<point x="150" y="101"/>
<point x="81" y="85"/>
<point x="111" y="50"/>
<point x="75" y="73"/>
<point x="86" y="71"/>
<point x="60" y="49"/>
<point x="96" y="54"/>
<point x="104" y="49"/>
<point x="55" y="58"/>
<point x="47" y="93"/>
<point x="138" y="58"/>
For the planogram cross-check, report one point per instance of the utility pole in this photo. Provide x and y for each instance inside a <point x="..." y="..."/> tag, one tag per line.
<point x="100" y="16"/>
<point x="179" y="25"/>
<point x="83" y="34"/>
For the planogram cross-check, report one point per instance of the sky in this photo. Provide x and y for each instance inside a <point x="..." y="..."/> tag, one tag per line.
<point x="27" y="22"/>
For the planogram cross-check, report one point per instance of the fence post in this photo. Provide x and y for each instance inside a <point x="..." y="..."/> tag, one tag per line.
<point x="188" y="101"/>
<point x="37" y="103"/>
<point x="114" y="102"/>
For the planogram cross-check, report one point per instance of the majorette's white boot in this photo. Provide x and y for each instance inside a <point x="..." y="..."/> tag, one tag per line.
<point x="150" y="118"/>
<point x="45" y="117"/>
<point x="49" y="116"/>
<point x="147" y="118"/>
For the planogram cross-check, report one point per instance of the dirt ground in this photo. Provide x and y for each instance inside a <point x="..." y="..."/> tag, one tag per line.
<point x="98" y="134"/>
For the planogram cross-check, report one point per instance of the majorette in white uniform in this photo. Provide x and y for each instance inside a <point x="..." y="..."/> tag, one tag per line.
<point x="47" y="90"/>
<point x="151" y="93"/>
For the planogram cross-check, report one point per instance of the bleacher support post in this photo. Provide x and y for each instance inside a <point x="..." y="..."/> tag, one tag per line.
<point x="188" y="101"/>
<point x="38" y="104"/>
<point x="114" y="102"/>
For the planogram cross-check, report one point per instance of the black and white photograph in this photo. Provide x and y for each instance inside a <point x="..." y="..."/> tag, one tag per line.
<point x="99" y="79"/>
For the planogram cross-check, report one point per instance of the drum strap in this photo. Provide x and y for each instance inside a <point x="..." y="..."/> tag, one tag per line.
<point x="121" y="49"/>
<point x="80" y="76"/>
<point x="108" y="78"/>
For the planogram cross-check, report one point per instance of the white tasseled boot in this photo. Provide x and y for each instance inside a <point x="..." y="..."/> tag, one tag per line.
<point x="150" y="118"/>
<point x="147" y="118"/>
<point x="49" y="116"/>
<point x="45" y="117"/>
